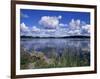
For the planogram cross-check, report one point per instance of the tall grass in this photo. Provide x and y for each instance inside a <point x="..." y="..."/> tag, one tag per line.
<point x="68" y="58"/>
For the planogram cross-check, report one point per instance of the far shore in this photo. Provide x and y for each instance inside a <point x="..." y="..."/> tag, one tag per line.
<point x="57" y="37"/>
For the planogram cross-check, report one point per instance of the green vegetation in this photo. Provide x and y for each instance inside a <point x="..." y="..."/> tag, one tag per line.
<point x="53" y="60"/>
<point x="25" y="58"/>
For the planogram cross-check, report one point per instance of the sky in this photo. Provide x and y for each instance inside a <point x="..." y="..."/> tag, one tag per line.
<point x="47" y="23"/>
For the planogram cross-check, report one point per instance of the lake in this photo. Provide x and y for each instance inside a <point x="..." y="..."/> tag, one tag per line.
<point x="54" y="52"/>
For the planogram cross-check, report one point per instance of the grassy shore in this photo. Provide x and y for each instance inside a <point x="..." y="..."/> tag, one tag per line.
<point x="35" y="60"/>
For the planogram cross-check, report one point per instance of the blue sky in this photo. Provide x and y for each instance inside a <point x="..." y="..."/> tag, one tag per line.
<point x="53" y="23"/>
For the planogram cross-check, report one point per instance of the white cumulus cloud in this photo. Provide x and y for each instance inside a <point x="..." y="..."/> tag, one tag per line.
<point x="24" y="28"/>
<point x="52" y="27"/>
<point x="77" y="27"/>
<point x="35" y="29"/>
<point x="75" y="24"/>
<point x="59" y="17"/>
<point x="63" y="25"/>
<point x="86" y="28"/>
<point x="78" y="22"/>
<point x="50" y="22"/>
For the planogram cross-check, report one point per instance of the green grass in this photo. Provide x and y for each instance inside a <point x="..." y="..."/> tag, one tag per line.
<point x="69" y="58"/>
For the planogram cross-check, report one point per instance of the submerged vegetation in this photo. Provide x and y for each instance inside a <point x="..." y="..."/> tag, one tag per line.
<point x="51" y="59"/>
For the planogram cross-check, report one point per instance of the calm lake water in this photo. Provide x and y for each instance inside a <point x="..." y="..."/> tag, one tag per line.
<point x="67" y="52"/>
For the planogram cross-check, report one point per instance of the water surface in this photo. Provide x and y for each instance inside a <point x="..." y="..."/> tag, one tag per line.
<point x="56" y="52"/>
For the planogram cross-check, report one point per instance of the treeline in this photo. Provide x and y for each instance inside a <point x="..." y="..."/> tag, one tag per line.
<point x="57" y="37"/>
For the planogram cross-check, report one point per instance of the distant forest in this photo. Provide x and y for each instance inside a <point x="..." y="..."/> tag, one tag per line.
<point x="57" y="37"/>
